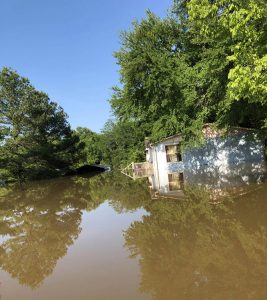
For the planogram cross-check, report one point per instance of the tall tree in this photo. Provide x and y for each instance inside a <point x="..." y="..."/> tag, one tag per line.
<point x="203" y="63"/>
<point x="232" y="40"/>
<point x="154" y="73"/>
<point x="36" y="139"/>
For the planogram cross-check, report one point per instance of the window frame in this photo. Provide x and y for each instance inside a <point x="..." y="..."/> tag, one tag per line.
<point x="176" y="181"/>
<point x="177" y="154"/>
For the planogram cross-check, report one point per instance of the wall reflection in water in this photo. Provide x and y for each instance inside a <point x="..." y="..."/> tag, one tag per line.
<point x="219" y="181"/>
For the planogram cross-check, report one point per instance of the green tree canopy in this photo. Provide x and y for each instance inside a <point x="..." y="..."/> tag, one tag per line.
<point x="233" y="35"/>
<point x="36" y="138"/>
<point x="122" y="141"/>
<point x="203" y="63"/>
<point x="92" y="145"/>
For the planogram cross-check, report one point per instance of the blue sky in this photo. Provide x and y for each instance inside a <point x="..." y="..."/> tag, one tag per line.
<point x="65" y="48"/>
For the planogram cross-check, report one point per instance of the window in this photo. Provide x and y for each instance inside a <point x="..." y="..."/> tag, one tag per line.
<point x="175" y="181"/>
<point x="173" y="153"/>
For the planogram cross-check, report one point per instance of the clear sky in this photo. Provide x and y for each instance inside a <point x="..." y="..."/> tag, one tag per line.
<point x="65" y="48"/>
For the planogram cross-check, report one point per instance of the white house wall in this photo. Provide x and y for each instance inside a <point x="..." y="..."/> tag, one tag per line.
<point x="160" y="165"/>
<point x="217" y="153"/>
<point x="220" y="151"/>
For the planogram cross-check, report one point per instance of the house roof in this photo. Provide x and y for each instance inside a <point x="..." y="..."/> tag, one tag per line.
<point x="167" y="138"/>
<point x="209" y="132"/>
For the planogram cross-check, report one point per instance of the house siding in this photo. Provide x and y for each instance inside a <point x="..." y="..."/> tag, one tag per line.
<point x="231" y="150"/>
<point x="236" y="148"/>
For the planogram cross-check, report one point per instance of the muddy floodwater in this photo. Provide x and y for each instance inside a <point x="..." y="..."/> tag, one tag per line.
<point x="110" y="237"/>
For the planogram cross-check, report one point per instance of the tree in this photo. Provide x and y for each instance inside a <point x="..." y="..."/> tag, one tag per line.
<point x="155" y="99"/>
<point x="203" y="63"/>
<point x="92" y="150"/>
<point x="122" y="142"/>
<point x="154" y="73"/>
<point x="36" y="139"/>
<point x="232" y="39"/>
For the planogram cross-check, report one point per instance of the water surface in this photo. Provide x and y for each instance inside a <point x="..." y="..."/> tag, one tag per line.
<point x="107" y="237"/>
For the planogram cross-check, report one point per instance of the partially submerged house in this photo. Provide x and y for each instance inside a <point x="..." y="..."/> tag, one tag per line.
<point x="168" y="166"/>
<point x="219" y="149"/>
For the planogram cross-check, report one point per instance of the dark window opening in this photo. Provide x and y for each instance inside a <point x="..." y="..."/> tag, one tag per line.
<point x="173" y="153"/>
<point x="176" y="181"/>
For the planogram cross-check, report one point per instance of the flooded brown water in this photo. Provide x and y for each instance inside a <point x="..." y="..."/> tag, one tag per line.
<point x="106" y="237"/>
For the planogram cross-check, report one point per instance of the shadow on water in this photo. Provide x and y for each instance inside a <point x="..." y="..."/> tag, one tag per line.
<point x="192" y="248"/>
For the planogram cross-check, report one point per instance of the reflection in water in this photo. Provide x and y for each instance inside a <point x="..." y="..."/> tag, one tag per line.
<point x="191" y="248"/>
<point x="39" y="222"/>
<point x="194" y="249"/>
<point x="218" y="181"/>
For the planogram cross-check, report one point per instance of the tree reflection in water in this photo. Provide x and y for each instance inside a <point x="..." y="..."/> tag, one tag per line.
<point x="194" y="249"/>
<point x="39" y="222"/>
<point x="188" y="249"/>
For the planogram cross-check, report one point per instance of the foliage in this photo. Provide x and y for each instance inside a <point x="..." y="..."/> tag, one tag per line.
<point x="92" y="148"/>
<point x="154" y="73"/>
<point x="239" y="29"/>
<point x="36" y="139"/>
<point x="203" y="63"/>
<point x="122" y="142"/>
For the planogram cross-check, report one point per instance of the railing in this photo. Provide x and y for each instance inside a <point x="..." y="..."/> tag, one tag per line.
<point x="138" y="170"/>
